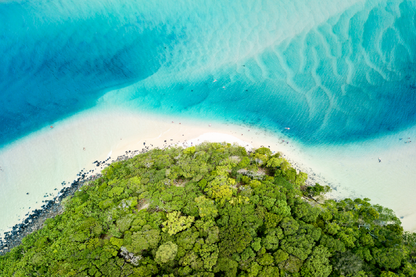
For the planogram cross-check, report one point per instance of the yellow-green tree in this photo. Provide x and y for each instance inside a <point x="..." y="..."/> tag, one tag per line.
<point x="177" y="223"/>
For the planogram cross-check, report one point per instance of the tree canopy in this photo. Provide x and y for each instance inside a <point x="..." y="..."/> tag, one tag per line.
<point x="212" y="210"/>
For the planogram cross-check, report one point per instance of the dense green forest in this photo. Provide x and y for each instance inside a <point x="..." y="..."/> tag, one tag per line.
<point x="212" y="210"/>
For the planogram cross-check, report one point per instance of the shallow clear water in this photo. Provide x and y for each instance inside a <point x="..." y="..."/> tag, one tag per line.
<point x="333" y="72"/>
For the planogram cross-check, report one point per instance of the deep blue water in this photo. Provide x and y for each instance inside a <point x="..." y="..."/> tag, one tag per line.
<point x="332" y="71"/>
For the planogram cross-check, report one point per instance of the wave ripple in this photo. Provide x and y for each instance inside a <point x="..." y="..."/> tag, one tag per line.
<point x="332" y="71"/>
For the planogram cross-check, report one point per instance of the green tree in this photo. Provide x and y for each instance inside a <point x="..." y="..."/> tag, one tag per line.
<point x="289" y="226"/>
<point x="234" y="240"/>
<point x="177" y="223"/>
<point x="388" y="258"/>
<point x="146" y="239"/>
<point x="347" y="263"/>
<point x="318" y="263"/>
<point x="274" y="162"/>
<point x="207" y="207"/>
<point x="166" y="252"/>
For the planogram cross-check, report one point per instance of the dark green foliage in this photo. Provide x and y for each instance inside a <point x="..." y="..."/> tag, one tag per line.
<point x="388" y="258"/>
<point x="317" y="264"/>
<point x="317" y="189"/>
<point x="347" y="263"/>
<point x="234" y="240"/>
<point x="205" y="211"/>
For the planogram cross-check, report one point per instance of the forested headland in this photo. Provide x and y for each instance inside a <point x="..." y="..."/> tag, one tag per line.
<point x="212" y="210"/>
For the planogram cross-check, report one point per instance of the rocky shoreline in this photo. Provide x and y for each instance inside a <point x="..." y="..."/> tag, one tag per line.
<point x="36" y="218"/>
<point x="34" y="221"/>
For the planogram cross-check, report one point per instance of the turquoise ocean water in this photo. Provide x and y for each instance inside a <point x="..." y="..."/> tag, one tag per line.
<point x="334" y="72"/>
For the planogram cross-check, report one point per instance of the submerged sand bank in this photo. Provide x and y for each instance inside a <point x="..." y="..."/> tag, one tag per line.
<point x="34" y="167"/>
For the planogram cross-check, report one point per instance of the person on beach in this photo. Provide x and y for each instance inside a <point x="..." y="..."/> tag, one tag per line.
<point x="379" y="160"/>
<point x="83" y="148"/>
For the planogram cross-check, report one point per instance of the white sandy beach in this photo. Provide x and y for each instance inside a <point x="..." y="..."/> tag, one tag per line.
<point x="36" y="165"/>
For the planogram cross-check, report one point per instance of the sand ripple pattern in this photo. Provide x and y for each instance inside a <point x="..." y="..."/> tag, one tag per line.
<point x="332" y="71"/>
